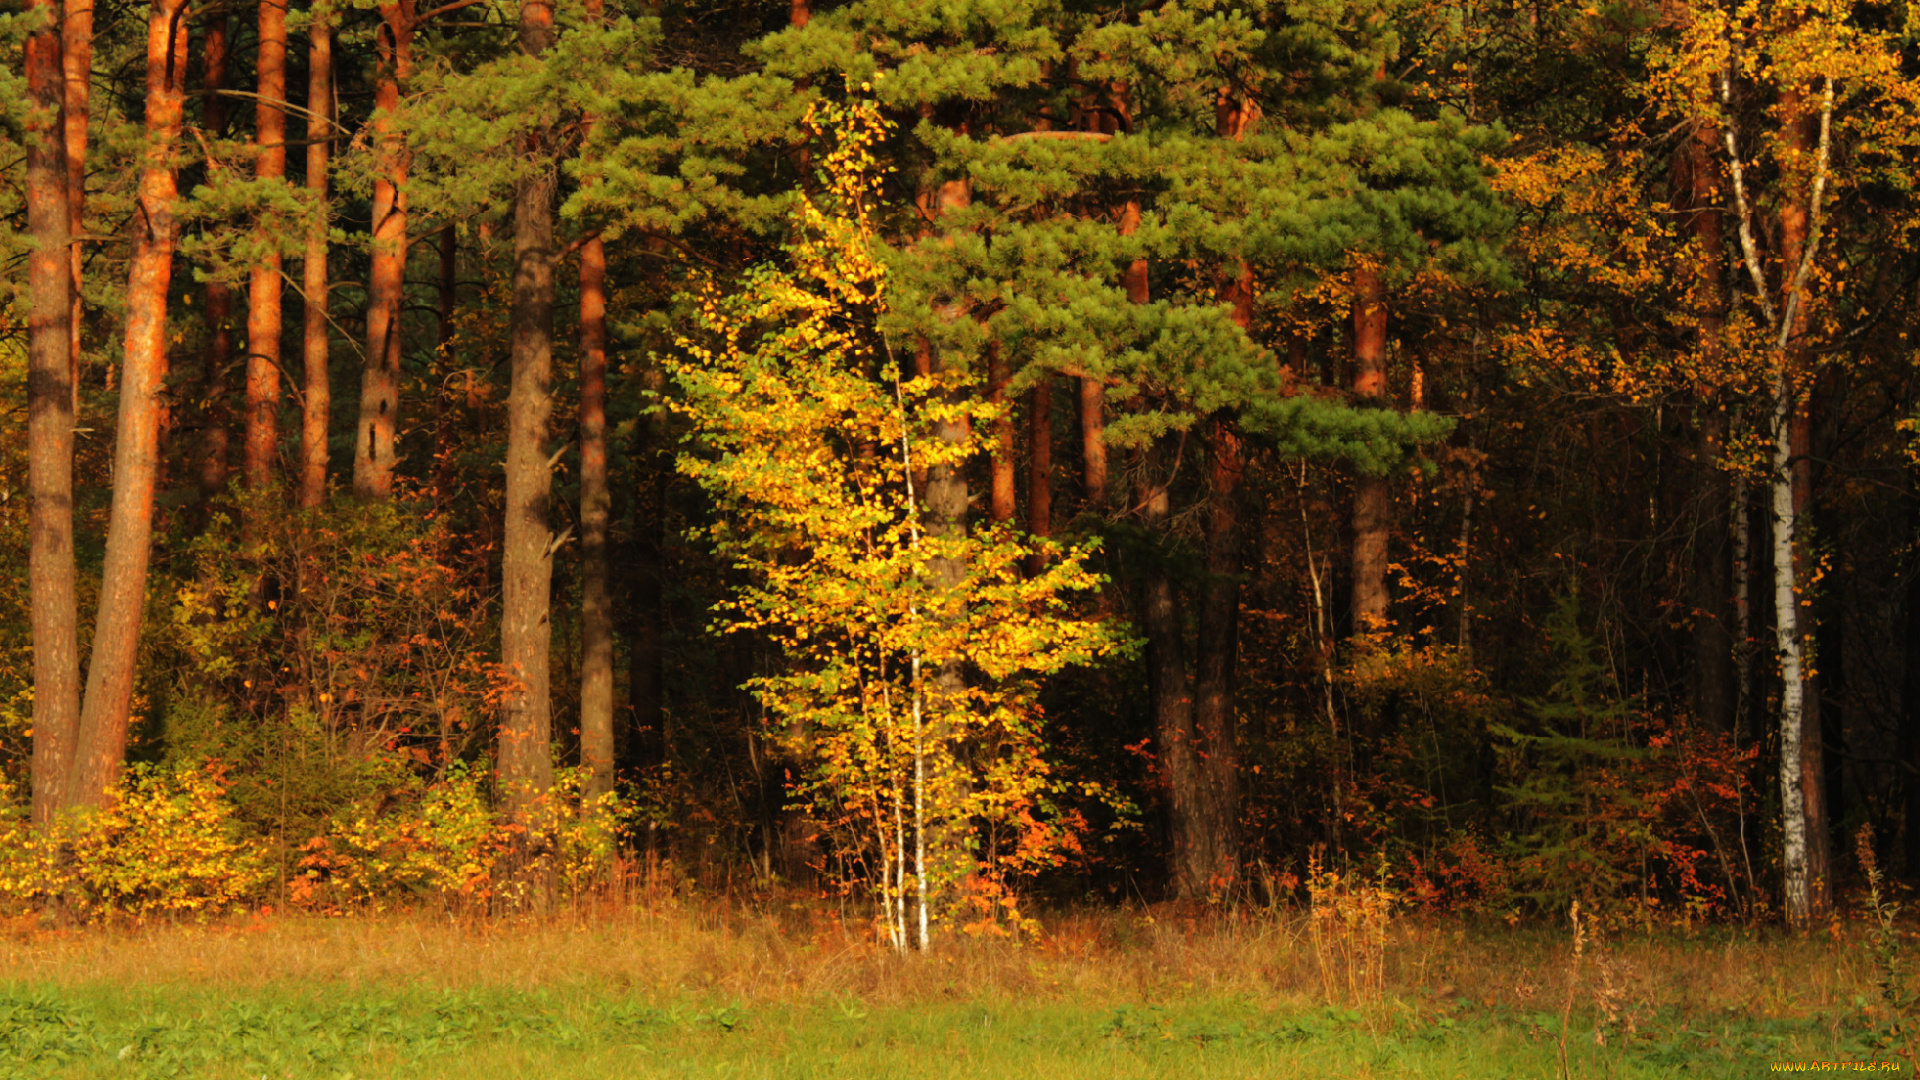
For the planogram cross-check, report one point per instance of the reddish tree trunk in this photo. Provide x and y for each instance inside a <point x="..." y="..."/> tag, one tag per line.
<point x="317" y="408"/>
<point x="526" y="761"/>
<point x="445" y="412"/>
<point x="1093" y="441"/>
<point x="50" y="419"/>
<point x="1040" y="465"/>
<point x="596" y="512"/>
<point x="263" y="295"/>
<point x="1372" y="498"/>
<point x="116" y="637"/>
<point x="1713" y="641"/>
<point x="1001" y="505"/>
<point x="76" y="61"/>
<point x="374" y="454"/>
<point x="215" y="436"/>
<point x="1170" y="692"/>
<point x="1215" y="862"/>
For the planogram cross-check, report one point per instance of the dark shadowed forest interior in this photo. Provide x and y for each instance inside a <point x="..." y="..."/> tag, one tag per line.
<point x="960" y="458"/>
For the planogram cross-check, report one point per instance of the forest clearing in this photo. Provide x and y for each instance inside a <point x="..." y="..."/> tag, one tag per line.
<point x="959" y="537"/>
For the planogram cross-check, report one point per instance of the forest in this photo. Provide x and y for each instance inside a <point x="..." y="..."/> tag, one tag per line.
<point x="961" y="460"/>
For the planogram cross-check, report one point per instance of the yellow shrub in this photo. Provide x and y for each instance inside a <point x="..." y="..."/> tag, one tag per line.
<point x="450" y="844"/>
<point x="165" y="842"/>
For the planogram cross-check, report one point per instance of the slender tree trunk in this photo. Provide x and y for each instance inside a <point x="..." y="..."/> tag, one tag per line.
<point x="1093" y="441"/>
<point x="1792" y="503"/>
<point x="76" y="61"/>
<point x="1040" y="465"/>
<point x="1907" y="747"/>
<point x="596" y="513"/>
<point x="1372" y="495"/>
<point x="1697" y="189"/>
<point x="263" y="296"/>
<point x="1001" y="506"/>
<point x="1093" y="391"/>
<point x="646" y="655"/>
<point x="374" y="454"/>
<point x="215" y="422"/>
<point x="317" y="408"/>
<point x="116" y="638"/>
<point x="50" y="420"/>
<point x="1170" y="692"/>
<point x="445" y="412"/>
<point x="1741" y="514"/>
<point x="526" y="762"/>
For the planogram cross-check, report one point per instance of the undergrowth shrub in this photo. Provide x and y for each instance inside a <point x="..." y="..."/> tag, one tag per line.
<point x="445" y="844"/>
<point x="1610" y="804"/>
<point x="166" y="842"/>
<point x="1348" y="918"/>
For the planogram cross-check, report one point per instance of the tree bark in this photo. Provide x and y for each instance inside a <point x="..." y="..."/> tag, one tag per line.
<point x="1697" y="192"/>
<point x="1093" y="441"/>
<point x="596" y="512"/>
<point x="1372" y="496"/>
<point x="526" y="761"/>
<point x="1215" y="721"/>
<point x="215" y="434"/>
<point x="646" y="626"/>
<point x="116" y="639"/>
<point x="1907" y="746"/>
<point x="1170" y="693"/>
<point x="1040" y="465"/>
<point x="50" y="420"/>
<point x="1001" y="506"/>
<point x="263" y="294"/>
<point x="76" y="61"/>
<point x="317" y="407"/>
<point x="374" y="455"/>
<point x="445" y="412"/>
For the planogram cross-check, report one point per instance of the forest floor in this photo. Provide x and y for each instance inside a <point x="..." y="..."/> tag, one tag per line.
<point x="684" y="989"/>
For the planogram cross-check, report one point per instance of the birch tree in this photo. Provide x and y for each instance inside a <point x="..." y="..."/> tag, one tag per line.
<point x="814" y="439"/>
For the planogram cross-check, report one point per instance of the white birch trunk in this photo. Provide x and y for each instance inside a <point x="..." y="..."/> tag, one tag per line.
<point x="1796" y="893"/>
<point x="1796" y="889"/>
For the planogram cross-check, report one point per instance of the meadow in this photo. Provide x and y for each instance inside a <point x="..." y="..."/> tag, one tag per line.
<point x="695" y="987"/>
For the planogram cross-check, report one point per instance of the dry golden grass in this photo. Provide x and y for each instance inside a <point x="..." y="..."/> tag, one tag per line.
<point x="792" y="951"/>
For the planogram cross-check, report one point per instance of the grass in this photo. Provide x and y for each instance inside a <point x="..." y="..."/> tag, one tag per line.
<point x="792" y="992"/>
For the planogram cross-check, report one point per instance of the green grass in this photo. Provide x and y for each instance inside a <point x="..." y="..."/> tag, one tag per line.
<point x="199" y="1032"/>
<point x="699" y="991"/>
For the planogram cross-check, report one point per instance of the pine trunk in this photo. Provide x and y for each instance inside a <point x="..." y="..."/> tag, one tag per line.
<point x="1372" y="496"/>
<point x="263" y="294"/>
<point x="102" y="742"/>
<point x="646" y="633"/>
<point x="446" y="413"/>
<point x="1215" y="722"/>
<point x="317" y="406"/>
<point x="1040" y="465"/>
<point x="50" y="421"/>
<point x="374" y="454"/>
<point x="1907" y="746"/>
<point x="1001" y="504"/>
<point x="216" y="438"/>
<point x="1170" y="692"/>
<point x="526" y="573"/>
<point x="76" y="61"/>
<point x="1713" y="641"/>
<point x="596" y="510"/>
<point x="1093" y="441"/>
